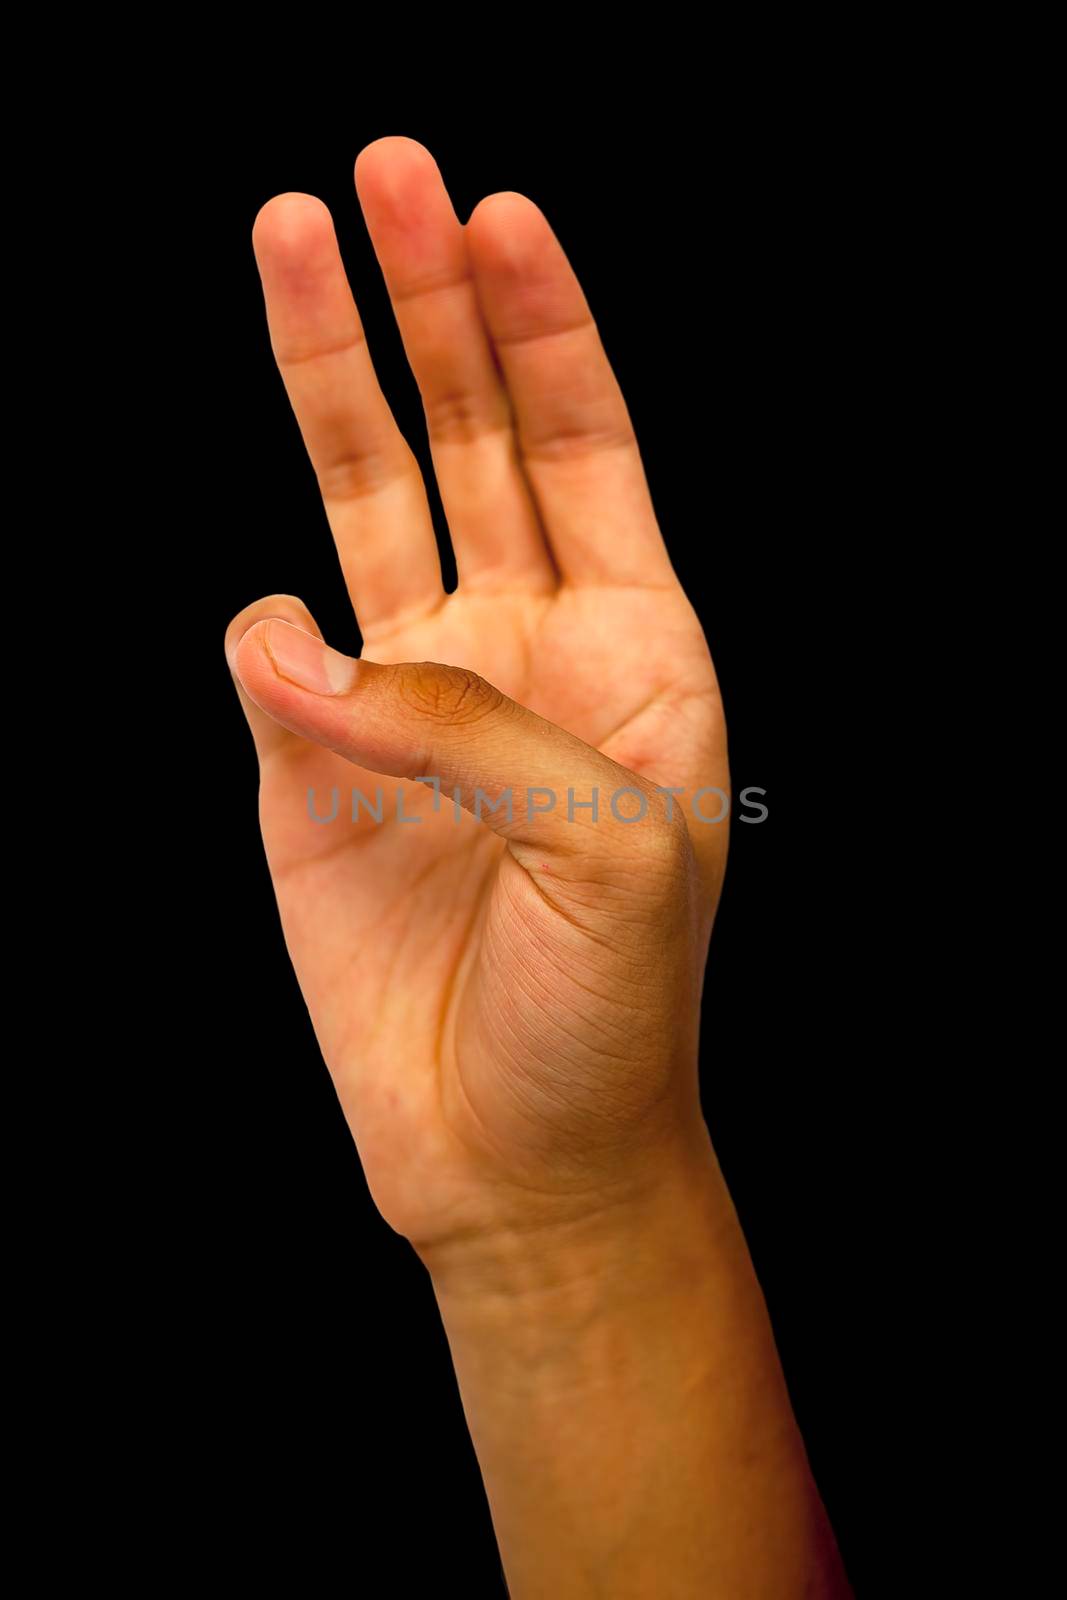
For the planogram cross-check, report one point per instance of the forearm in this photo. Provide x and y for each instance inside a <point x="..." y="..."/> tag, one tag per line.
<point x="627" y="1405"/>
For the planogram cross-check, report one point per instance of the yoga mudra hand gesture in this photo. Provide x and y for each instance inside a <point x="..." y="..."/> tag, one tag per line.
<point x="504" y="971"/>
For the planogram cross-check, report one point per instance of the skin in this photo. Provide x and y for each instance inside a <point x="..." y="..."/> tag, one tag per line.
<point x="509" y="1008"/>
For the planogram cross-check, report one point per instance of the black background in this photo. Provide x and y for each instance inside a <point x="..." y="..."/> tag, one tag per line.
<point x="296" y="1360"/>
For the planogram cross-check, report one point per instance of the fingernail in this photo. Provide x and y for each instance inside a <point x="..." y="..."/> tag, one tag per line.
<point x="305" y="660"/>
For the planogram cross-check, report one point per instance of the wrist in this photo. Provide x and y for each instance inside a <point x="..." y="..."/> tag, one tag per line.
<point x="651" y="1245"/>
<point x="622" y="1362"/>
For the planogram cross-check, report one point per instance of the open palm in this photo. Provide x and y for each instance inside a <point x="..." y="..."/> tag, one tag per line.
<point x="508" y="1011"/>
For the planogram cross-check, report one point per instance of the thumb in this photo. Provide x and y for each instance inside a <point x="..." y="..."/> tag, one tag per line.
<point x="537" y="785"/>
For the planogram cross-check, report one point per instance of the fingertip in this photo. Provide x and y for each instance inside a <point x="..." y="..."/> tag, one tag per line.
<point x="274" y="657"/>
<point x="409" y="212"/>
<point x="287" y="607"/>
<point x="508" y="226"/>
<point x="249" y="655"/>
<point x="287" y="222"/>
<point x="392" y="149"/>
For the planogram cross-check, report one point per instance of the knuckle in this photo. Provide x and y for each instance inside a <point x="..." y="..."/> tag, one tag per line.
<point x="447" y="694"/>
<point x="455" y="417"/>
<point x="361" y="472"/>
<point x="665" y="843"/>
<point x="640" y="875"/>
<point x="651" y="846"/>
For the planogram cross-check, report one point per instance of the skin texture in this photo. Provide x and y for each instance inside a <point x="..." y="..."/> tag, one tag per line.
<point x="509" y="1007"/>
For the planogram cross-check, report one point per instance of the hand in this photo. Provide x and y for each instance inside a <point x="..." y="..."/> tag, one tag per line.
<point x="508" y="1009"/>
<point x="508" y="999"/>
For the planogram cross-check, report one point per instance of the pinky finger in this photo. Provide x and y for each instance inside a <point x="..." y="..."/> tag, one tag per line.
<point x="269" y="736"/>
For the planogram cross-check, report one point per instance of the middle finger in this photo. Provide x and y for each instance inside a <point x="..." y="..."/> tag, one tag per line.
<point x="420" y="246"/>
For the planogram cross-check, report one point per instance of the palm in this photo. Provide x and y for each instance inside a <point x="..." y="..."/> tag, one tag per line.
<point x="393" y="926"/>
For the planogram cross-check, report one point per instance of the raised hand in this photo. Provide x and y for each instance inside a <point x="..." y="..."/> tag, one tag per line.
<point x="508" y="1009"/>
<point x="506" y="987"/>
